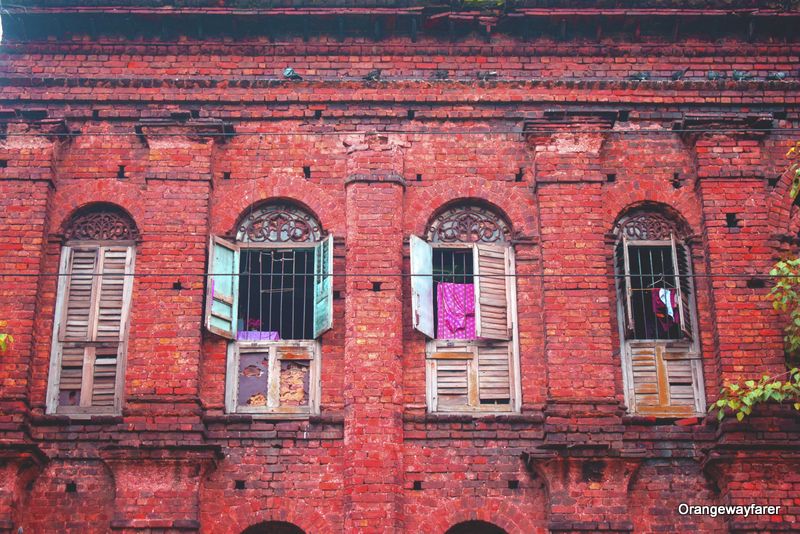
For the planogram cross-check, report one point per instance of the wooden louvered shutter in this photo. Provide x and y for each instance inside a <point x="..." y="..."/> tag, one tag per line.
<point x="683" y="284"/>
<point x="91" y="338"/>
<point x="323" y="286"/>
<point x="664" y="378"/>
<point x="492" y="316"/>
<point x="624" y="286"/>
<point x="494" y="373"/>
<point x="80" y="294"/>
<point x="454" y="384"/>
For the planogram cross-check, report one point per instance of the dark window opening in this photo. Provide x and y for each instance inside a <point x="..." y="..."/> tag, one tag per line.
<point x="276" y="294"/>
<point x="655" y="308"/>
<point x="453" y="286"/>
<point x="495" y="401"/>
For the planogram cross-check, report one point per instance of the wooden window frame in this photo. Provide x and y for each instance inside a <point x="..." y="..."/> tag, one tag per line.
<point x="86" y="410"/>
<point x="661" y="349"/>
<point x="442" y="349"/>
<point x="273" y="410"/>
<point x="235" y="347"/>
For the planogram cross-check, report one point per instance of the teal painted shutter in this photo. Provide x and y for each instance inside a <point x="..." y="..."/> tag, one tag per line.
<point x="223" y="288"/>
<point x="422" y="285"/>
<point x="323" y="286"/>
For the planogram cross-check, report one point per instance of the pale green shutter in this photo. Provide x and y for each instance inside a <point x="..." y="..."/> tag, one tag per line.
<point x="223" y="288"/>
<point x="323" y="286"/>
<point x="422" y="285"/>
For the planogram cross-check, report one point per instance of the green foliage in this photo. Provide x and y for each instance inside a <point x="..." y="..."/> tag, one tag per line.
<point x="739" y="398"/>
<point x="483" y="4"/>
<point x="5" y="339"/>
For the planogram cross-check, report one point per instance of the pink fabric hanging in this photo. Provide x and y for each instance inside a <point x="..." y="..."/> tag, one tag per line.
<point x="456" y="316"/>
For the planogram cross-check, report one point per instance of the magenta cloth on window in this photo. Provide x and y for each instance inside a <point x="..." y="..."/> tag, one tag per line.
<point x="254" y="335"/>
<point x="665" y="306"/>
<point x="456" y="305"/>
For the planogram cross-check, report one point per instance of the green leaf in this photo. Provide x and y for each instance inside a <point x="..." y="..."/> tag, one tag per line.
<point x="720" y="415"/>
<point x="739" y="416"/>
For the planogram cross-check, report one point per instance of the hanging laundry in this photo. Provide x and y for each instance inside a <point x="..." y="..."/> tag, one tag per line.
<point x="255" y="335"/>
<point x="456" y="311"/>
<point x="665" y="307"/>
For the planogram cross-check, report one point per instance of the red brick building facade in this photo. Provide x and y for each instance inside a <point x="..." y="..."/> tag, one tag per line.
<point x="546" y="224"/>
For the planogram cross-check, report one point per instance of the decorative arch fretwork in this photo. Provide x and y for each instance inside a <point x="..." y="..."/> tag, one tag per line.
<point x="279" y="223"/>
<point x="468" y="223"/>
<point x="104" y="223"/>
<point x="649" y="226"/>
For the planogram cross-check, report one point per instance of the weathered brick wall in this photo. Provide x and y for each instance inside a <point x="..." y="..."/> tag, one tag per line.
<point x="374" y="460"/>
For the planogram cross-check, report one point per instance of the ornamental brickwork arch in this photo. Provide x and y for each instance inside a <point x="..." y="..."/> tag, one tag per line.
<point x="468" y="223"/>
<point x="281" y="222"/>
<point x="101" y="222"/>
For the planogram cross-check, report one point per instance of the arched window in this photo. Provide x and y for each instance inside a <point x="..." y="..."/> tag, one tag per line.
<point x="270" y="292"/>
<point x="92" y="309"/>
<point x="475" y="527"/>
<point x="464" y="300"/>
<point x="273" y="527"/>
<point x="657" y="320"/>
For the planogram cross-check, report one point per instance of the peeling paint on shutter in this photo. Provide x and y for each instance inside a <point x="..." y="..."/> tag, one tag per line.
<point x="223" y="288"/>
<point x="323" y="286"/>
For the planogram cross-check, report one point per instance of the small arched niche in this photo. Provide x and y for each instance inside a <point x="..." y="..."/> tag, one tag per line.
<point x="475" y="527"/>
<point x="273" y="527"/>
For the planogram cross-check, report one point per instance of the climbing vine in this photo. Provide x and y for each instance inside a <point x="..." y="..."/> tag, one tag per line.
<point x="5" y="339"/>
<point x="739" y="398"/>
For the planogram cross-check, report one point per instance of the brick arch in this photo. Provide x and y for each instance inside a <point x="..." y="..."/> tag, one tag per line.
<point x="232" y="200"/>
<point x="121" y="215"/>
<point x="72" y="199"/>
<point x="515" y="204"/>
<point x="300" y="206"/>
<point x="240" y="518"/>
<point x="682" y="205"/>
<point x="781" y="215"/>
<point x="656" y="207"/>
<point x="509" y="516"/>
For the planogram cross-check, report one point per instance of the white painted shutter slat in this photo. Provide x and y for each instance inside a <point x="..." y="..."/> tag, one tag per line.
<point x="112" y="293"/>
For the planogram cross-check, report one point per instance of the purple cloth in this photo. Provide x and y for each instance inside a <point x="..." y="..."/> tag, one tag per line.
<point x="665" y="321"/>
<point x="456" y="311"/>
<point x="252" y="335"/>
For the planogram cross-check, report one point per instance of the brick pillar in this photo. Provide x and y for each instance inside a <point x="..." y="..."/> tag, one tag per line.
<point x="164" y="353"/>
<point x="735" y="207"/>
<point x="25" y="187"/>
<point x="587" y="494"/>
<point x="582" y="365"/>
<point x="373" y="431"/>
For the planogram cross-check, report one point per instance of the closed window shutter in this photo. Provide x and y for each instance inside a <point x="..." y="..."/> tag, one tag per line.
<point x="492" y="317"/>
<point x="92" y="334"/>
<point x="644" y="368"/>
<point x="323" y="286"/>
<point x="664" y="378"/>
<point x="683" y="284"/>
<point x="81" y="285"/>
<point x="422" y="286"/>
<point x="494" y="373"/>
<point x="455" y="385"/>
<point x="624" y="284"/>
<point x="222" y="299"/>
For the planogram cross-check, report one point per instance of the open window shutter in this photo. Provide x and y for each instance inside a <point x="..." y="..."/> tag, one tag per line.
<point x="624" y="281"/>
<point x="492" y="317"/>
<point x="494" y="373"/>
<point x="323" y="286"/>
<point x="683" y="281"/>
<point x="223" y="288"/>
<point x="422" y="285"/>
